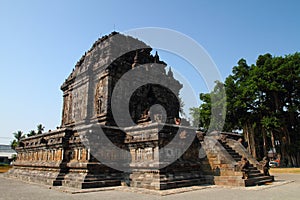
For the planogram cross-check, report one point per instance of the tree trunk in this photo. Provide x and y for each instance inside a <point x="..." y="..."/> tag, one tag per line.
<point x="265" y="142"/>
<point x="251" y="138"/>
<point x="273" y="142"/>
<point x="283" y="151"/>
<point x="287" y="142"/>
<point x="246" y="137"/>
<point x="298" y="159"/>
<point x="252" y="141"/>
<point x="294" y="162"/>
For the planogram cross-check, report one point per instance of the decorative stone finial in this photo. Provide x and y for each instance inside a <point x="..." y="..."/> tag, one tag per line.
<point x="170" y="73"/>
<point x="156" y="57"/>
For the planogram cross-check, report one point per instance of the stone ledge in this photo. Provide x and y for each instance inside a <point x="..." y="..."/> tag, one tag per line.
<point x="134" y="190"/>
<point x="152" y="192"/>
<point x="260" y="187"/>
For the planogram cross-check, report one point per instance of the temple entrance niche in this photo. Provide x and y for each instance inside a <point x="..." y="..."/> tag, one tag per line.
<point x="154" y="103"/>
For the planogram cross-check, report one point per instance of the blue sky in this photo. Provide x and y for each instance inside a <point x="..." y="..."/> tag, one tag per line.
<point x="40" y="42"/>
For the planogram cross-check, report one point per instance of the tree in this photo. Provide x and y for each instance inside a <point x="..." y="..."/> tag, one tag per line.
<point x="31" y="133"/>
<point x="18" y="137"/>
<point x="195" y="114"/>
<point x="262" y="100"/>
<point x="181" y="106"/>
<point x="270" y="124"/>
<point x="13" y="144"/>
<point x="211" y="114"/>
<point x="40" y="129"/>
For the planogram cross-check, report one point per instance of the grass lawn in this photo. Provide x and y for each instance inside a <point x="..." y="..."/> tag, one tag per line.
<point x="285" y="170"/>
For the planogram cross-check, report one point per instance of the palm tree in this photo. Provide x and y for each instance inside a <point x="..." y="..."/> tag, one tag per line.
<point x="18" y="137"/>
<point x="31" y="133"/>
<point x="13" y="144"/>
<point x="40" y="129"/>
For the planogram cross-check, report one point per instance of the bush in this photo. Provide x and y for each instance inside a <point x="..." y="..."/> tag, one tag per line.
<point x="4" y="165"/>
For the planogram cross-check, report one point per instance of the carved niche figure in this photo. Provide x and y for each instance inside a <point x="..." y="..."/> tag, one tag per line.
<point x="99" y="99"/>
<point x="100" y="105"/>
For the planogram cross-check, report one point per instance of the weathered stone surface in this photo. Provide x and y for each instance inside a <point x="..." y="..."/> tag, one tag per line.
<point x="224" y="154"/>
<point x="78" y="154"/>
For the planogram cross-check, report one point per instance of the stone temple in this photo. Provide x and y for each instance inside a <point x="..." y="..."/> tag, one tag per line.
<point x="120" y="126"/>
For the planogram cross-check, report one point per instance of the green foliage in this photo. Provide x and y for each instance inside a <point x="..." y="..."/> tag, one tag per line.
<point x="261" y="98"/>
<point x="13" y="144"/>
<point x="19" y="135"/>
<point x="195" y="114"/>
<point x="212" y="112"/>
<point x="270" y="123"/>
<point x="31" y="133"/>
<point x="40" y="129"/>
<point x="4" y="165"/>
<point x="181" y="106"/>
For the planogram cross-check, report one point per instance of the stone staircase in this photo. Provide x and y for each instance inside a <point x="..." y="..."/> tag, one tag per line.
<point x="90" y="181"/>
<point x="84" y="180"/>
<point x="255" y="176"/>
<point x="59" y="179"/>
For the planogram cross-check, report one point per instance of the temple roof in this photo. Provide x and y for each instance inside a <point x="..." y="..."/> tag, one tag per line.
<point x="106" y="48"/>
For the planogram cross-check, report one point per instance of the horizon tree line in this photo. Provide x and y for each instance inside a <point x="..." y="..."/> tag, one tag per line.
<point x="19" y="135"/>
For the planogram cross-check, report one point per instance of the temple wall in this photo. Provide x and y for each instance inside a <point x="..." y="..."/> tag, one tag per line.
<point x="149" y="168"/>
<point x="81" y="152"/>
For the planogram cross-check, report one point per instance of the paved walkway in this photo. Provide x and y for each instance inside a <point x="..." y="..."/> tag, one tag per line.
<point x="287" y="186"/>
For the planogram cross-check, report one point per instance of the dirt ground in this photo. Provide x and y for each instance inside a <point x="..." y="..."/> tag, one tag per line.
<point x="286" y="187"/>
